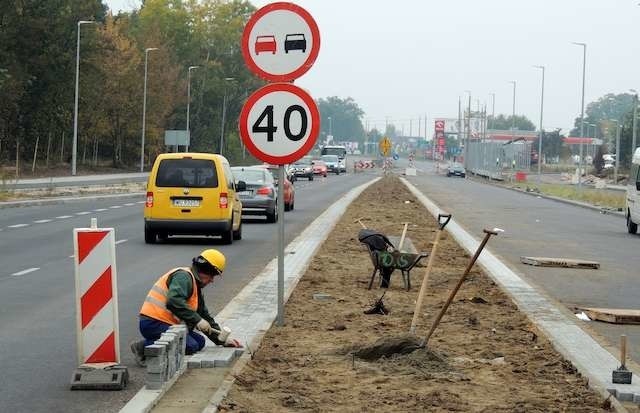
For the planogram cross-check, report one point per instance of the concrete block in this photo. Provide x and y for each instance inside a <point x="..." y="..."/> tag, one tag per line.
<point x="158" y="366"/>
<point x="154" y="350"/>
<point x="208" y="363"/>
<point x="624" y="396"/>
<point x="636" y="398"/>
<point x="194" y="364"/>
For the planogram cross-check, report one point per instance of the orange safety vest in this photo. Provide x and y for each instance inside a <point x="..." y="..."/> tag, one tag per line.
<point x="155" y="305"/>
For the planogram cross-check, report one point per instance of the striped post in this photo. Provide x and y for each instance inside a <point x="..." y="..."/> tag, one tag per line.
<point x="96" y="295"/>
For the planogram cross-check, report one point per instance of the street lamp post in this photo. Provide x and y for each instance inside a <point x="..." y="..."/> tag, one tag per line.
<point x="540" y="139"/>
<point x="617" y="165"/>
<point x="224" y="112"/>
<point x="584" y="64"/>
<point x="330" y="126"/>
<point x="74" y="149"/>
<point x="188" y="103"/>
<point x="513" y="113"/>
<point x="144" y="105"/>
<point x="493" y="108"/>
<point x="467" y="132"/>
<point x="635" y="119"/>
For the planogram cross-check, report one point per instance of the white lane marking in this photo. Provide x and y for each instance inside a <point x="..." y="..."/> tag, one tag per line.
<point x="83" y="213"/>
<point x="99" y="209"/>
<point x="115" y="206"/>
<point x="130" y="204"/>
<point x="63" y="217"/>
<point x="117" y="242"/>
<point x="140" y="202"/>
<point x="41" y="221"/>
<point x="18" y="226"/>
<point x="23" y="272"/>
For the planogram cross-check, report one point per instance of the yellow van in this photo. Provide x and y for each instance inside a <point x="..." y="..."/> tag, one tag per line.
<point x="192" y="193"/>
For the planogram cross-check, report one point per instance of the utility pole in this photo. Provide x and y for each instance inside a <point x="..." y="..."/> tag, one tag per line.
<point x="635" y="118"/>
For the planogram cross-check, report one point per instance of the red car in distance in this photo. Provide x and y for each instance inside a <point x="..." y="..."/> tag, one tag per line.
<point x="265" y="44"/>
<point x="289" y="189"/>
<point x="319" y="168"/>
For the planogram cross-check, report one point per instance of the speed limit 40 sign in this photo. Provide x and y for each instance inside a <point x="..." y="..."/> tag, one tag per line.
<point x="279" y="123"/>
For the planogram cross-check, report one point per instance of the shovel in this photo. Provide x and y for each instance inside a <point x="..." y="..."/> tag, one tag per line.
<point x="488" y="233"/>
<point x="443" y="220"/>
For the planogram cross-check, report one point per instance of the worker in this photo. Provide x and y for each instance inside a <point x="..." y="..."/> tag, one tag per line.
<point x="177" y="298"/>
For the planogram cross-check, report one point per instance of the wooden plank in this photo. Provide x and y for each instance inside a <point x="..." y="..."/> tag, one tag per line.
<point x="613" y="315"/>
<point x="560" y="262"/>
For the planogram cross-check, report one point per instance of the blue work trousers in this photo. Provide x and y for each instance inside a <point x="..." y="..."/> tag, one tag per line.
<point x="151" y="330"/>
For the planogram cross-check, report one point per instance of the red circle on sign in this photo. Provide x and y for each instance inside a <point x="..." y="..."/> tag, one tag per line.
<point x="245" y="135"/>
<point x="302" y="69"/>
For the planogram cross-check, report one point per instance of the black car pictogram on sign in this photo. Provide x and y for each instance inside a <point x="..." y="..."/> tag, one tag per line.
<point x="295" y="41"/>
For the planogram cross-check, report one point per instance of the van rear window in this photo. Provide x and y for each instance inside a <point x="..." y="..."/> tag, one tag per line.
<point x="188" y="173"/>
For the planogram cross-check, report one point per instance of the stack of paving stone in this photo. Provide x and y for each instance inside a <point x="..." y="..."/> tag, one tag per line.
<point x="166" y="356"/>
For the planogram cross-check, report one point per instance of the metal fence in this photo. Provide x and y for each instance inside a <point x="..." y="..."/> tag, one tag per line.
<point x="498" y="160"/>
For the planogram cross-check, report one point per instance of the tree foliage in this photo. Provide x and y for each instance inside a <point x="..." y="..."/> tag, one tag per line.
<point x="502" y="122"/>
<point x="37" y="76"/>
<point x="346" y="119"/>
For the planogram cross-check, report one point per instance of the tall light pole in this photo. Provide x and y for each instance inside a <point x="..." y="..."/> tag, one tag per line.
<point x="330" y="126"/>
<point x="584" y="65"/>
<point x="635" y="119"/>
<point x="615" y="170"/>
<point x="188" y="103"/>
<point x="144" y="105"/>
<point x="513" y="115"/>
<point x="493" y="108"/>
<point x="224" y="112"/>
<point x="467" y="132"/>
<point x="74" y="149"/>
<point x="540" y="139"/>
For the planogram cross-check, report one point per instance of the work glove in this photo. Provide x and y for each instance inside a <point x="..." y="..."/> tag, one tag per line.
<point x="232" y="342"/>
<point x="204" y="326"/>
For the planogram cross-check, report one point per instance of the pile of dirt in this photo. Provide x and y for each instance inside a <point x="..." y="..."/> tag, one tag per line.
<point x="485" y="355"/>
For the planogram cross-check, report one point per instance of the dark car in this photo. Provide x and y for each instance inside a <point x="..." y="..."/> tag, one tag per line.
<point x="295" y="41"/>
<point x="260" y="194"/>
<point x="303" y="168"/>
<point x="456" y="169"/>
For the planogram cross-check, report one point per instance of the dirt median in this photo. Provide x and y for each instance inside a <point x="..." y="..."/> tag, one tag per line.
<point x="485" y="356"/>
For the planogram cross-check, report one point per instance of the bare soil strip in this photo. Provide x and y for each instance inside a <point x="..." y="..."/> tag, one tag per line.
<point x="485" y="356"/>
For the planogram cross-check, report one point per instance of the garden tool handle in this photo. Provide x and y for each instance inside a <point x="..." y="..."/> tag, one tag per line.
<point x="444" y="223"/>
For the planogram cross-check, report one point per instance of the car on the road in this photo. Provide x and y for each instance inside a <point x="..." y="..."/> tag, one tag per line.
<point x="265" y="43"/>
<point x="192" y="194"/>
<point x="333" y="163"/>
<point x="295" y="41"/>
<point x="303" y="168"/>
<point x="289" y="189"/>
<point x="456" y="169"/>
<point x="260" y="194"/>
<point x="319" y="168"/>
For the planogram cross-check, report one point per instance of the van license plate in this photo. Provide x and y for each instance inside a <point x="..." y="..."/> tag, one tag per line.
<point x="186" y="202"/>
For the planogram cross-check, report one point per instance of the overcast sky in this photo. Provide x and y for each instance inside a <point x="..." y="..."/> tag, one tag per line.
<point x="406" y="59"/>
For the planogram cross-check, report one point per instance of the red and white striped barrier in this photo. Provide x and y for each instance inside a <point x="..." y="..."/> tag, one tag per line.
<point x="96" y="295"/>
<point x="364" y="164"/>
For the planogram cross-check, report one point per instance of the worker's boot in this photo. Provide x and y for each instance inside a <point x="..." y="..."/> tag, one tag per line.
<point x="137" y="347"/>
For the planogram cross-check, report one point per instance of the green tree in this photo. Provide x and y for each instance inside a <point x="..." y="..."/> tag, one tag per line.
<point x="346" y="119"/>
<point x="502" y="122"/>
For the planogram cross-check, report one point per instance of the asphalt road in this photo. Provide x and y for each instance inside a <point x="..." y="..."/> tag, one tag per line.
<point x="536" y="226"/>
<point x="38" y="337"/>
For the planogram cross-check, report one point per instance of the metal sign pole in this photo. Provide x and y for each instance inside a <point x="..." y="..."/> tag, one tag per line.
<point x="280" y="206"/>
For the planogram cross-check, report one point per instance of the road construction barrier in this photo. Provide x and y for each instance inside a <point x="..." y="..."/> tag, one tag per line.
<point x="363" y="165"/>
<point x="97" y="310"/>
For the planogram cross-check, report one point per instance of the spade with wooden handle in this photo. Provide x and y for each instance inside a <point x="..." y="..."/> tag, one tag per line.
<point x="488" y="233"/>
<point x="443" y="220"/>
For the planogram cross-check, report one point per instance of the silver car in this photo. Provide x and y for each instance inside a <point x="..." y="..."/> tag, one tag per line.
<point x="260" y="195"/>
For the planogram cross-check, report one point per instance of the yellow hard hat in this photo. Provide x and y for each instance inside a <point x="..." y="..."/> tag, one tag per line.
<point x="212" y="257"/>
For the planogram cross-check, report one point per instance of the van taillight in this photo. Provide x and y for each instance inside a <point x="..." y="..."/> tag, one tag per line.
<point x="265" y="190"/>
<point x="224" y="201"/>
<point x="149" y="202"/>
